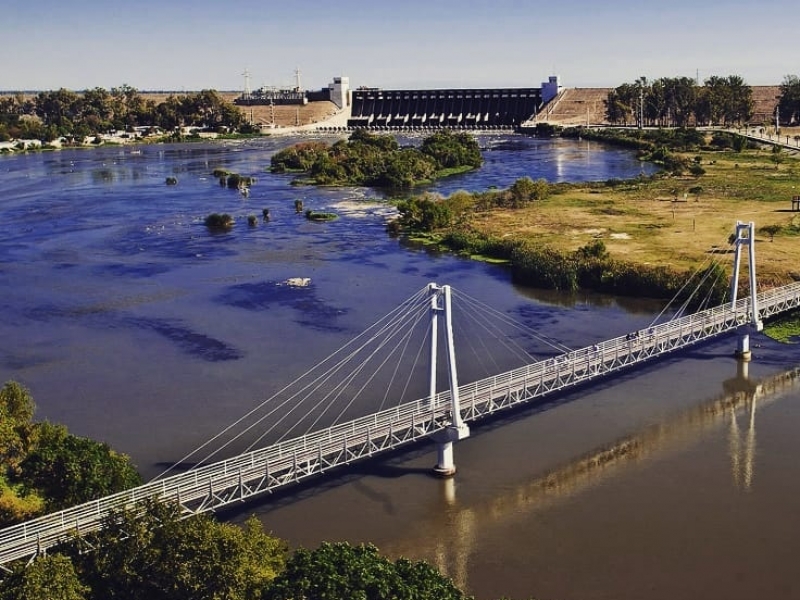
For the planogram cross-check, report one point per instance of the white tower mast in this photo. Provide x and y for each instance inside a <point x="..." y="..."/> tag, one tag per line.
<point x="246" y="84"/>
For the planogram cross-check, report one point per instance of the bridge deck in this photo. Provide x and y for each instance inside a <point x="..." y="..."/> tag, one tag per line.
<point x="236" y="479"/>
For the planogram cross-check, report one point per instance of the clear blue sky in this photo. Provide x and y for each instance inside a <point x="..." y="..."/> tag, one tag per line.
<point x="196" y="44"/>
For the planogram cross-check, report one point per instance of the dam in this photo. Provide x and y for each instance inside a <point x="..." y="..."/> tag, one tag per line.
<point x="410" y="109"/>
<point x="451" y="108"/>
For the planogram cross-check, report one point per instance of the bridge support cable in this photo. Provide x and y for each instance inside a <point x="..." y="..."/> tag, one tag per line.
<point x="411" y="371"/>
<point x="478" y="322"/>
<point x="354" y="346"/>
<point x="465" y="299"/>
<point x="407" y="331"/>
<point x="386" y="334"/>
<point x="707" y="272"/>
<point x="707" y="266"/>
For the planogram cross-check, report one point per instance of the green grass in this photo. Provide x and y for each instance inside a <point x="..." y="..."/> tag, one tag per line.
<point x="784" y="328"/>
<point x="320" y="216"/>
<point x="492" y="260"/>
<point x="453" y="171"/>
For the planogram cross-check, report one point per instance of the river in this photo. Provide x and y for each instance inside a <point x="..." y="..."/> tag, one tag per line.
<point x="133" y="324"/>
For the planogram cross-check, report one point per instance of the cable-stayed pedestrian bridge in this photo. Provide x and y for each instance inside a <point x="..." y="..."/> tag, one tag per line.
<point x="443" y="416"/>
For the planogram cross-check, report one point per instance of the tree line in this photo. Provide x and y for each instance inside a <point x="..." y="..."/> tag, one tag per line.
<point x="681" y="102"/>
<point x="65" y="113"/>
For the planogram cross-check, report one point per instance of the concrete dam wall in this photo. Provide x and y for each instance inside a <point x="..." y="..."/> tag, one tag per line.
<point x="456" y="108"/>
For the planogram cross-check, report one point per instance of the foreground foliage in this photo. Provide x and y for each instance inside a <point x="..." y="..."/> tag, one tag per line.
<point x="49" y="576"/>
<point x="153" y="554"/>
<point x="367" y="159"/>
<point x="43" y="467"/>
<point x="335" y="571"/>
<point x="784" y="328"/>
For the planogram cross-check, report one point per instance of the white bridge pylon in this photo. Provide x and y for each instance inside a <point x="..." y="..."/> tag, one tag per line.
<point x="745" y="235"/>
<point x="457" y="429"/>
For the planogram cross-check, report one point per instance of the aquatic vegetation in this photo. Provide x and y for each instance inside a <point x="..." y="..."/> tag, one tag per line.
<point x="219" y="221"/>
<point x="320" y="216"/>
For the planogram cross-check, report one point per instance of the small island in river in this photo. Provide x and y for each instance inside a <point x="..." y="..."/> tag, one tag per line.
<point x="372" y="160"/>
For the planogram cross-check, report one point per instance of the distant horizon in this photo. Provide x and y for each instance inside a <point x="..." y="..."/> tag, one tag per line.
<point x="167" y="46"/>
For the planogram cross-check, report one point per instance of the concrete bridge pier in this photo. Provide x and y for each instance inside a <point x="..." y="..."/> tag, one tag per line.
<point x="445" y="466"/>
<point x="743" y="352"/>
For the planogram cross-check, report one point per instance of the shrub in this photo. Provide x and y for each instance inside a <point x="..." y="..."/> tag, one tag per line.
<point x="219" y="221"/>
<point x="236" y="181"/>
<point x="697" y="170"/>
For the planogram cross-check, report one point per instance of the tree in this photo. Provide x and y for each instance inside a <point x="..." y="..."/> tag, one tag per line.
<point x="17" y="503"/>
<point x="70" y="470"/>
<point x="425" y="212"/>
<point x="450" y="149"/>
<point x="98" y="105"/>
<point x="525" y="190"/>
<point x="789" y="102"/>
<point x="776" y="156"/>
<point x="619" y="105"/>
<point x="50" y="577"/>
<point x="680" y="98"/>
<point x="16" y="414"/>
<point x="729" y="100"/>
<point x="153" y="554"/>
<point x="338" y="570"/>
<point x="595" y="249"/>
<point x="771" y="230"/>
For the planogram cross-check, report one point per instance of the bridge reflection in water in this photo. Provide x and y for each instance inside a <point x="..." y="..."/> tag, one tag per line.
<point x="455" y="542"/>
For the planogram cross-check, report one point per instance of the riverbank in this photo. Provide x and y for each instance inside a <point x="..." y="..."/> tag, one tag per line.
<point x="679" y="222"/>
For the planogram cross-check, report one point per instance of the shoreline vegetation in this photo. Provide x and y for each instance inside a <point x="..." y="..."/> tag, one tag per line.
<point x="640" y="237"/>
<point x="44" y="468"/>
<point x="63" y="118"/>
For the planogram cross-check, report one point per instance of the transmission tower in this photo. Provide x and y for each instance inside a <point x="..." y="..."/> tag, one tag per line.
<point x="246" y="75"/>
<point x="297" y="78"/>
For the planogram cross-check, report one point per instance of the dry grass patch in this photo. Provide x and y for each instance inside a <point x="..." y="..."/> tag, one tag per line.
<point x="644" y="223"/>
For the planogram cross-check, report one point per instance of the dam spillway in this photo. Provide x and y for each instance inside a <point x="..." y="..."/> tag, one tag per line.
<point x="451" y="108"/>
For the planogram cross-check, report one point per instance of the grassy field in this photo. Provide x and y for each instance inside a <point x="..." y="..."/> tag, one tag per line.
<point x="677" y="221"/>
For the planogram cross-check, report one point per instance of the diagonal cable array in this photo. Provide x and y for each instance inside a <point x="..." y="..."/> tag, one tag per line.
<point x="706" y="269"/>
<point x="341" y="386"/>
<point x="484" y="313"/>
<point x="335" y="377"/>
